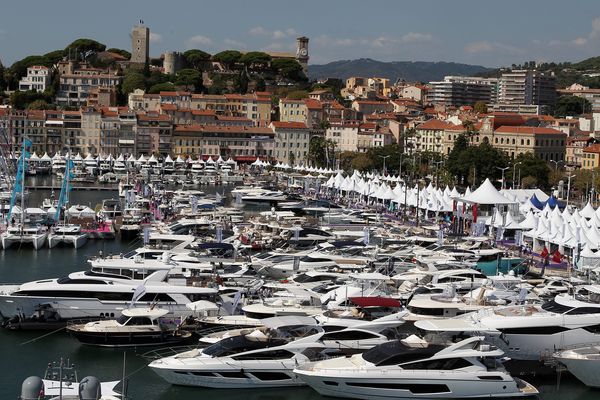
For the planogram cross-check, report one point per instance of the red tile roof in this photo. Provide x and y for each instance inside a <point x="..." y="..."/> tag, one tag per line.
<point x="313" y="104"/>
<point x="436" y="125"/>
<point x="529" y="130"/>
<point x="288" y="125"/>
<point x="595" y="148"/>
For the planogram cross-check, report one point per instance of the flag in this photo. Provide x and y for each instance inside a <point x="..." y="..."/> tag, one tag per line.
<point x="474" y="212"/>
<point x="544" y="252"/>
<point x="557" y="257"/>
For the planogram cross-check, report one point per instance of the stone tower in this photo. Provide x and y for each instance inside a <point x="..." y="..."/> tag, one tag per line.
<point x="140" y="44"/>
<point x="172" y="62"/>
<point x="302" y="53"/>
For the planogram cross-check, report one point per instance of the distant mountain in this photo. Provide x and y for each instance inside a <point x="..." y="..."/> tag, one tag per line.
<point x="410" y="71"/>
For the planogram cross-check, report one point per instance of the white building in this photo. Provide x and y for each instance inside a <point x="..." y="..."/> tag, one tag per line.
<point x="38" y="79"/>
<point x="292" y="140"/>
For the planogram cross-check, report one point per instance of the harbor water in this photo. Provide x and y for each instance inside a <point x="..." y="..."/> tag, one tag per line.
<point x="26" y="353"/>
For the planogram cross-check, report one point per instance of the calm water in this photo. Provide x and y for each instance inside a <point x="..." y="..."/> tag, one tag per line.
<point x="27" y="353"/>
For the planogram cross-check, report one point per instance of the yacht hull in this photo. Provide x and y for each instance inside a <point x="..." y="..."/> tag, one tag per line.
<point x="415" y="385"/>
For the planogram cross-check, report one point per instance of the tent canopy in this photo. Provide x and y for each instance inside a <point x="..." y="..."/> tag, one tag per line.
<point x="486" y="194"/>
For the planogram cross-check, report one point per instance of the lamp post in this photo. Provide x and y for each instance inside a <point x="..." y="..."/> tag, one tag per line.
<point x="555" y="164"/>
<point x="569" y="187"/>
<point x="514" y="170"/>
<point x="437" y="170"/>
<point x="503" y="169"/>
<point x="400" y="168"/>
<point x="384" y="157"/>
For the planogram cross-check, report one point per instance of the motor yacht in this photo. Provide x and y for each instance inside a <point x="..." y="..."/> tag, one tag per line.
<point x="468" y="369"/>
<point x="261" y="358"/>
<point x="583" y="362"/>
<point x="135" y="327"/>
<point x="82" y="295"/>
<point x="529" y="332"/>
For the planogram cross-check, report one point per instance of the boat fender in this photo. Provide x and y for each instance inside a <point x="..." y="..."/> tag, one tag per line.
<point x="32" y="388"/>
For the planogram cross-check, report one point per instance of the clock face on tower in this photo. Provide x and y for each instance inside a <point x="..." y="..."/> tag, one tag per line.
<point x="303" y="52"/>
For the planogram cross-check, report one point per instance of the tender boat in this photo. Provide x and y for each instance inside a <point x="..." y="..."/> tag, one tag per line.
<point x="135" y="327"/>
<point x="61" y="382"/>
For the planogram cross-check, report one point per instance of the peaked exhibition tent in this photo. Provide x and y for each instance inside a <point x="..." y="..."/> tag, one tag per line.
<point x="486" y="194"/>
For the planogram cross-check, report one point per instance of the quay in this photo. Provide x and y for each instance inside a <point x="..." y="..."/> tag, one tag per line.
<point x="88" y="188"/>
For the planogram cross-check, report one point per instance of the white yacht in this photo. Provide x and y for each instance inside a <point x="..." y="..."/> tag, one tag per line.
<point x="263" y="196"/>
<point x="70" y="234"/>
<point x="468" y="369"/>
<point x="583" y="362"/>
<point x="259" y="359"/>
<point x="81" y="295"/>
<point x="530" y="332"/>
<point x="19" y="234"/>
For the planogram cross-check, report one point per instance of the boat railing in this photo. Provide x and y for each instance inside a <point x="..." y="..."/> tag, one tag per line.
<point x="168" y="351"/>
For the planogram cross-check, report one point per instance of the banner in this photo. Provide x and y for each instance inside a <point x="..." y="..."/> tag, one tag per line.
<point x="366" y="235"/>
<point x="146" y="235"/>
<point x="219" y="234"/>
<point x="440" y="237"/>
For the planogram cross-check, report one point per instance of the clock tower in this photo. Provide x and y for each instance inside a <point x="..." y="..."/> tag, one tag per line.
<point x="302" y="53"/>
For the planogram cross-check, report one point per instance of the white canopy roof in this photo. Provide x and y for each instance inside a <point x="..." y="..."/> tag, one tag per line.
<point x="168" y="159"/>
<point x="46" y="157"/>
<point x="486" y="194"/>
<point x="587" y="211"/>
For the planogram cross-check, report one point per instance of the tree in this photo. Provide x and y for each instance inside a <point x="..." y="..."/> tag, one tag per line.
<point x="362" y="162"/>
<point x="320" y="151"/>
<point x="480" y="107"/>
<point x="190" y="78"/>
<point x="532" y="166"/>
<point x="2" y="80"/>
<point x="255" y="60"/>
<point x="196" y="59"/>
<point x="162" y="87"/>
<point x="133" y="80"/>
<point x="297" y="95"/>
<point x="453" y="163"/>
<point x="54" y="57"/>
<point x="286" y="67"/>
<point x="83" y="48"/>
<point x="39" y="104"/>
<point x="571" y="106"/>
<point x="228" y="58"/>
<point x="21" y="100"/>
<point x="121" y="52"/>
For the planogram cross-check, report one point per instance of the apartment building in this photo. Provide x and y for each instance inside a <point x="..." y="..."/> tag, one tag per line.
<point x="546" y="143"/>
<point x="527" y="88"/>
<point x="574" y="150"/>
<point x="243" y="144"/>
<point x="75" y="88"/>
<point x="462" y="90"/>
<point x="254" y="106"/>
<point x="292" y="140"/>
<point x="591" y="157"/>
<point x="429" y="136"/>
<point x="344" y="134"/>
<point x="38" y="78"/>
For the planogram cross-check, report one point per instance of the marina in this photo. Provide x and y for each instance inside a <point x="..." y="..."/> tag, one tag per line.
<point x="290" y="273"/>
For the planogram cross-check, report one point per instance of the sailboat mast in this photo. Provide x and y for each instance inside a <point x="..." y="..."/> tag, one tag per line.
<point x="22" y="177"/>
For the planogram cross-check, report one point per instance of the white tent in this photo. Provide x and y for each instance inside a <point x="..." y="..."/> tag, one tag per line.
<point x="587" y="211"/>
<point x="486" y="194"/>
<point x="34" y="157"/>
<point x="179" y="160"/>
<point x="168" y="159"/>
<point x="131" y="159"/>
<point x="45" y="157"/>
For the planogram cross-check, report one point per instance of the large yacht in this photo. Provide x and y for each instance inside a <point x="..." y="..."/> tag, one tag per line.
<point x="468" y="369"/>
<point x="96" y="295"/>
<point x="530" y="332"/>
<point x="260" y="358"/>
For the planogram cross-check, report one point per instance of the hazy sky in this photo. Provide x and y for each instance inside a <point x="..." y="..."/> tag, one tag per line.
<point x="490" y="33"/>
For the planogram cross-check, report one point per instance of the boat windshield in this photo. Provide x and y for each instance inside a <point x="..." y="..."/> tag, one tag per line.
<point x="396" y="352"/>
<point x="554" y="307"/>
<point x="239" y="344"/>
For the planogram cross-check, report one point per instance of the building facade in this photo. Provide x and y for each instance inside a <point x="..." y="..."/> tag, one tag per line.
<point x="37" y="78"/>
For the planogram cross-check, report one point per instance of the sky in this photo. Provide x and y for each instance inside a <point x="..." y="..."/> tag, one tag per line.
<point x="483" y="32"/>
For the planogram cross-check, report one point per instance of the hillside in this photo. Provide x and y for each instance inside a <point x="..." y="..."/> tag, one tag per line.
<point x="410" y="71"/>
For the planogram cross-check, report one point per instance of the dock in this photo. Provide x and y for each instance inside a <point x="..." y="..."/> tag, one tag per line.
<point x="88" y="188"/>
